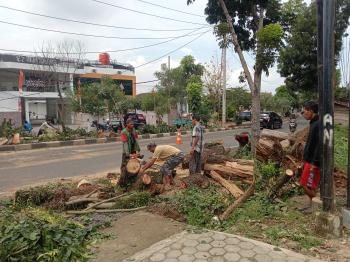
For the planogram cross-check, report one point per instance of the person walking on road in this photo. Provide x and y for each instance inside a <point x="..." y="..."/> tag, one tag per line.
<point x="310" y="177"/>
<point x="172" y="157"/>
<point x="196" y="146"/>
<point x="131" y="149"/>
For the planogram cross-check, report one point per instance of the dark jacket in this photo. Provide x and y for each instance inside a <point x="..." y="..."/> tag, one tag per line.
<point x="312" y="147"/>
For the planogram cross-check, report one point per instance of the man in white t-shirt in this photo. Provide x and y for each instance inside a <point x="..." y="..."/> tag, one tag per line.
<point x="196" y="146"/>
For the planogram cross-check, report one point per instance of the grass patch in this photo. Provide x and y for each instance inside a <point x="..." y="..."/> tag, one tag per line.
<point x="33" y="234"/>
<point x="137" y="199"/>
<point x="341" y="147"/>
<point x="199" y="206"/>
<point x="274" y="223"/>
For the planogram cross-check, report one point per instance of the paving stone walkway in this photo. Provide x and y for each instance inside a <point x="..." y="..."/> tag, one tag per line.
<point x="215" y="247"/>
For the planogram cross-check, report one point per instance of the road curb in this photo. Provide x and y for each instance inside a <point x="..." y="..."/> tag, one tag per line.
<point x="90" y="141"/>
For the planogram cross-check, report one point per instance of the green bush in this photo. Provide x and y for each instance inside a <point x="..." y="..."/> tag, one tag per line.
<point x="200" y="205"/>
<point x="341" y="147"/>
<point x="36" y="235"/>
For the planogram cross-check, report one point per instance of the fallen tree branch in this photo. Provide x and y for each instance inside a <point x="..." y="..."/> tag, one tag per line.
<point x="238" y="202"/>
<point x="80" y="201"/>
<point x="92" y="192"/>
<point x="232" y="188"/>
<point x="106" y="200"/>
<point x="81" y="212"/>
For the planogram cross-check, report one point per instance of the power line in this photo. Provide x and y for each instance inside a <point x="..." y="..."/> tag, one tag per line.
<point x="149" y="62"/>
<point x="150" y="81"/>
<point x="110" y="51"/>
<point x="168" y="8"/>
<point x="149" y="14"/>
<point x="81" y="34"/>
<point x="96" y="24"/>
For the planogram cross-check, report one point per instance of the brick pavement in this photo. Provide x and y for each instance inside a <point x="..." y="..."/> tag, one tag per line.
<point x="215" y="247"/>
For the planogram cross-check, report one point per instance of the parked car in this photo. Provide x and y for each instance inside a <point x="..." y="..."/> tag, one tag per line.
<point x="270" y="120"/>
<point x="139" y="119"/>
<point x="245" y="116"/>
<point x="116" y="125"/>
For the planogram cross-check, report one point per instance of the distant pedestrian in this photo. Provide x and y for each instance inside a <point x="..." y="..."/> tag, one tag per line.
<point x="27" y="126"/>
<point x="130" y="149"/>
<point x="310" y="177"/>
<point x="196" y="146"/>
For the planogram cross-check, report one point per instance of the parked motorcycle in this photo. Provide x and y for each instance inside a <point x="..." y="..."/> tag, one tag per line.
<point x="292" y="125"/>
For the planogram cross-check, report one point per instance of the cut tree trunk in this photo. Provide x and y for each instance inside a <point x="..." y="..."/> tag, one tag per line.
<point x="195" y="180"/>
<point x="280" y="183"/>
<point x="269" y="150"/>
<point x="232" y="188"/>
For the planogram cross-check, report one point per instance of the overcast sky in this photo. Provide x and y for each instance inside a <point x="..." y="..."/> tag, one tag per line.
<point x="203" y="48"/>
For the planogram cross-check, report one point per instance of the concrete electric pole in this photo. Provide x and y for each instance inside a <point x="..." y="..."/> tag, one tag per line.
<point x="223" y="64"/>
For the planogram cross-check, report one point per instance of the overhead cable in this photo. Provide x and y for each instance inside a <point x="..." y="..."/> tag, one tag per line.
<point x="89" y="35"/>
<point x="148" y="14"/>
<point x="97" y="24"/>
<point x="156" y="59"/>
<point x="109" y="51"/>
<point x="168" y="8"/>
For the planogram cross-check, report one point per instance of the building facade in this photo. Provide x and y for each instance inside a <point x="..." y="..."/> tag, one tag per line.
<point x="30" y="85"/>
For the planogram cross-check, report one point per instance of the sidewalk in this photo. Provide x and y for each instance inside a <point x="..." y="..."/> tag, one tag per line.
<point x="214" y="247"/>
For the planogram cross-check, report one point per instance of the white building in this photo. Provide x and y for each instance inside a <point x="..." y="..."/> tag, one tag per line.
<point x="29" y="85"/>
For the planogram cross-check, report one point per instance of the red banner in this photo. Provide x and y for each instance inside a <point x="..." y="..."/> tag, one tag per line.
<point x="20" y="81"/>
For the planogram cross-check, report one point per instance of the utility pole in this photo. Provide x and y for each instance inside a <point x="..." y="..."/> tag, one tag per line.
<point x="319" y="74"/>
<point x="223" y="64"/>
<point x="348" y="184"/>
<point x="327" y="114"/>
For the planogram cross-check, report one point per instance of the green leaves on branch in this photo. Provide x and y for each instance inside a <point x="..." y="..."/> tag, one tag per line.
<point x="194" y="93"/>
<point x="101" y="98"/>
<point x="36" y="235"/>
<point x="269" y="41"/>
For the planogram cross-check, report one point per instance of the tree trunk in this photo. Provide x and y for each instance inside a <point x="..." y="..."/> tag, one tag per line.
<point x="232" y="188"/>
<point x="238" y="202"/>
<point x="61" y="111"/>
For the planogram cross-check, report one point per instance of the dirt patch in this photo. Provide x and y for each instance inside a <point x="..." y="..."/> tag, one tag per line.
<point x="167" y="210"/>
<point x="133" y="233"/>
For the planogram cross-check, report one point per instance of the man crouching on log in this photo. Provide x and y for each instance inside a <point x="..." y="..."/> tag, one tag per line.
<point x="172" y="157"/>
<point x="310" y="177"/>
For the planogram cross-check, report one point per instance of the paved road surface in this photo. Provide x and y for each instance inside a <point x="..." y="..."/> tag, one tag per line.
<point x="27" y="167"/>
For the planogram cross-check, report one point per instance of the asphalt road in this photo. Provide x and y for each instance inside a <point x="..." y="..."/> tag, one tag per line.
<point x="24" y="168"/>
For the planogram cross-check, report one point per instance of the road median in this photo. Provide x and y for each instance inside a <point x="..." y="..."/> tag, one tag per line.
<point x="90" y="141"/>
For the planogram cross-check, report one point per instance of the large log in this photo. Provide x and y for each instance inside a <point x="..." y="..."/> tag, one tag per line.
<point x="272" y="134"/>
<point x="267" y="149"/>
<point x="232" y="188"/>
<point x="238" y="170"/>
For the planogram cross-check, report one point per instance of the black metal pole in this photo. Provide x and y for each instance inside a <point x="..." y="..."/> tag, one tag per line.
<point x="348" y="184"/>
<point x="319" y="74"/>
<point x="327" y="115"/>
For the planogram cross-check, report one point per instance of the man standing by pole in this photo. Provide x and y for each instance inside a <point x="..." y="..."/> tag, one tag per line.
<point x="310" y="177"/>
<point x="196" y="146"/>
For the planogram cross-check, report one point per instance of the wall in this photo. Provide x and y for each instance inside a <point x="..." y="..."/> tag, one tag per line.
<point x="9" y="101"/>
<point x="15" y="117"/>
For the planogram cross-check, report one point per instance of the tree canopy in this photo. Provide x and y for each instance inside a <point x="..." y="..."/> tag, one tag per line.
<point x="298" y="59"/>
